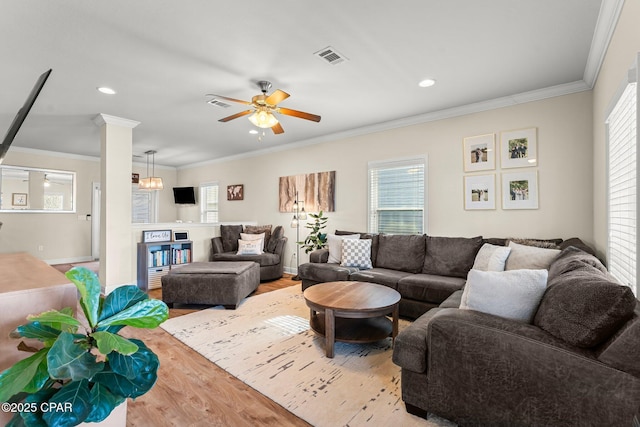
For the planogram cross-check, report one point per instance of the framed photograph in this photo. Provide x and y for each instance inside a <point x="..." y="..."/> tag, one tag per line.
<point x="519" y="148"/>
<point x="19" y="199"/>
<point x="135" y="178"/>
<point x="156" y="236"/>
<point x="480" y="192"/>
<point x="520" y="190"/>
<point x="235" y="192"/>
<point x="479" y="152"/>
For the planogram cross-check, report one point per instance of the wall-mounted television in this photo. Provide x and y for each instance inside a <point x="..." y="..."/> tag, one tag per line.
<point x="184" y="195"/>
<point x="22" y="114"/>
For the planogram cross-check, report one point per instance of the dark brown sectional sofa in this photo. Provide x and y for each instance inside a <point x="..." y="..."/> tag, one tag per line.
<point x="576" y="365"/>
<point x="426" y="270"/>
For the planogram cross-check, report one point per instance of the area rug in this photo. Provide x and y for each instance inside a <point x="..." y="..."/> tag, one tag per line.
<point x="266" y="343"/>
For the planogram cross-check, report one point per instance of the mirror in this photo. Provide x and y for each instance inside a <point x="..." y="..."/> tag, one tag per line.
<point x="24" y="189"/>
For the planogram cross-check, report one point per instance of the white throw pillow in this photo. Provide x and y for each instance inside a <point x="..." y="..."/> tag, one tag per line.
<point x="335" y="246"/>
<point x="491" y="257"/>
<point x="250" y="237"/>
<point x="512" y="294"/>
<point x="249" y="247"/>
<point x="356" y="253"/>
<point x="529" y="257"/>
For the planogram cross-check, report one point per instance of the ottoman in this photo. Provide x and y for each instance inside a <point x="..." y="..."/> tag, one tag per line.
<point x="211" y="283"/>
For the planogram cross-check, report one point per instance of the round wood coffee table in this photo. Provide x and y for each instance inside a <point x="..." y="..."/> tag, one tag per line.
<point x="352" y="312"/>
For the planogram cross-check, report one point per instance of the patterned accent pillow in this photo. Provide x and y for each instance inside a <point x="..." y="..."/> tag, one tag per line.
<point x="249" y="247"/>
<point x="356" y="253"/>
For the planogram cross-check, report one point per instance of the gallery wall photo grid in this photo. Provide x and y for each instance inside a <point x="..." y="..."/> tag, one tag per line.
<point x="518" y="149"/>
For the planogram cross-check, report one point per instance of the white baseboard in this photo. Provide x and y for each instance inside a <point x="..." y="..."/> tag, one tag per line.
<point x="290" y="270"/>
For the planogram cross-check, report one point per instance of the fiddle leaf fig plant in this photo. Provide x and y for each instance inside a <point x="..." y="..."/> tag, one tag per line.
<point x="83" y="370"/>
<point x="316" y="238"/>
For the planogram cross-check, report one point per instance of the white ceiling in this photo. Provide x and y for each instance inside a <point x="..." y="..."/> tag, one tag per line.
<point x="162" y="57"/>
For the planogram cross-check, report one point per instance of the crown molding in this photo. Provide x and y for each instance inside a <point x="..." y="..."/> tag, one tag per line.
<point x="605" y="26"/>
<point x="102" y="119"/>
<point x="36" y="151"/>
<point x="493" y="104"/>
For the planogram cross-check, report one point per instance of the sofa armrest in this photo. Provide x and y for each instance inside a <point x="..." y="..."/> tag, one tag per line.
<point x="279" y="249"/>
<point x="319" y="255"/>
<point x="498" y="361"/>
<point x="216" y="245"/>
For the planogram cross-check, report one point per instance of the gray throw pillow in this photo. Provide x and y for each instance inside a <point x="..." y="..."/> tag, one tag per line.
<point x="451" y="256"/>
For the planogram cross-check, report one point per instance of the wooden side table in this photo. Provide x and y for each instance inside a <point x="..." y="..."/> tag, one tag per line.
<point x="352" y="312"/>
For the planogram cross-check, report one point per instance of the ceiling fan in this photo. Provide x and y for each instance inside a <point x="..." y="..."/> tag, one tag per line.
<point x="263" y="108"/>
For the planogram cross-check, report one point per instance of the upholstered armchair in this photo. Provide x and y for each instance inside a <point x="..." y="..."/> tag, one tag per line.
<point x="225" y="248"/>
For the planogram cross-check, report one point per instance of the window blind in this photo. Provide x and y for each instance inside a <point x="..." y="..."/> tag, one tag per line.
<point x="209" y="202"/>
<point x="143" y="206"/>
<point x="622" y="188"/>
<point x="396" y="196"/>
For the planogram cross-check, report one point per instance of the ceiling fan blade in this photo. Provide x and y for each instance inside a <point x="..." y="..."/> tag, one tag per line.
<point x="277" y="128"/>
<point x="229" y="99"/>
<point x="276" y="97"/>
<point x="299" y="114"/>
<point x="235" y="116"/>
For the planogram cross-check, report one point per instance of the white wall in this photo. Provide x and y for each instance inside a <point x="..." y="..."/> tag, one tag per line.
<point x="64" y="236"/>
<point x="564" y="158"/>
<point x="621" y="54"/>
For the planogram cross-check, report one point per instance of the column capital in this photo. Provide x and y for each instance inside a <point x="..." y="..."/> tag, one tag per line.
<point x="102" y="119"/>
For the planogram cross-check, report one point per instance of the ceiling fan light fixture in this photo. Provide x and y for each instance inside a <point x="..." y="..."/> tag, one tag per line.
<point x="263" y="119"/>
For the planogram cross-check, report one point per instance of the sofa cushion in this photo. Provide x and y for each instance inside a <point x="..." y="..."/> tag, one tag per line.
<point x="401" y="252"/>
<point x="371" y="236"/>
<point x="230" y="234"/>
<point x="512" y="294"/>
<point x="572" y="258"/>
<point x="584" y="306"/>
<point x="264" y="259"/>
<point x="251" y="237"/>
<point x="429" y="287"/>
<point x="335" y="246"/>
<point x="323" y="272"/>
<point x="450" y="256"/>
<point x="491" y="257"/>
<point x="536" y="243"/>
<point x="259" y="229"/>
<point x="249" y="247"/>
<point x="276" y="236"/>
<point x="529" y="257"/>
<point x="356" y="253"/>
<point x="381" y="276"/>
<point x="410" y="346"/>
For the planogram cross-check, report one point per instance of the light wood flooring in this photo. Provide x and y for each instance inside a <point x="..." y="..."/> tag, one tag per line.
<point x="192" y="391"/>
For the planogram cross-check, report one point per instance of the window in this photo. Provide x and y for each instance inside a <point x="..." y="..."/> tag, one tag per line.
<point x="209" y="202"/>
<point x="622" y="197"/>
<point x="396" y="196"/>
<point x="144" y="206"/>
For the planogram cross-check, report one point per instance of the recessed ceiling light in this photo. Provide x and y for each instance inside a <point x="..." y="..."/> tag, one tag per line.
<point x="427" y="83"/>
<point x="106" y="90"/>
<point x="253" y="132"/>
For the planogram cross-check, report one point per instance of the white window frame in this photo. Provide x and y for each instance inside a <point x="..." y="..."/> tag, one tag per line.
<point x="152" y="204"/>
<point x="372" y="211"/>
<point x="203" y="203"/>
<point x="623" y="200"/>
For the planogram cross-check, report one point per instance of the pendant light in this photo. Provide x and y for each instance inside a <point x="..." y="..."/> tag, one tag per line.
<point x="151" y="182"/>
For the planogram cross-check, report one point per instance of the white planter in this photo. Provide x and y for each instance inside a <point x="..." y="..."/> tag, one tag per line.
<point x="117" y="418"/>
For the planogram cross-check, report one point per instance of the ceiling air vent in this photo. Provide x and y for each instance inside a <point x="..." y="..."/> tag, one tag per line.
<point x="218" y="103"/>
<point x="331" y="55"/>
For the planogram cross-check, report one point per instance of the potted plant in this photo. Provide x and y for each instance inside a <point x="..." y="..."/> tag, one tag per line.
<point x="316" y="238"/>
<point x="84" y="370"/>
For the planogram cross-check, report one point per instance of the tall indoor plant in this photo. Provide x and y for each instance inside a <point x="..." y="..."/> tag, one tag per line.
<point x="83" y="371"/>
<point x="316" y="238"/>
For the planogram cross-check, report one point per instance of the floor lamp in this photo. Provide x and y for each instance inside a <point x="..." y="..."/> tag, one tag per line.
<point x="298" y="215"/>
